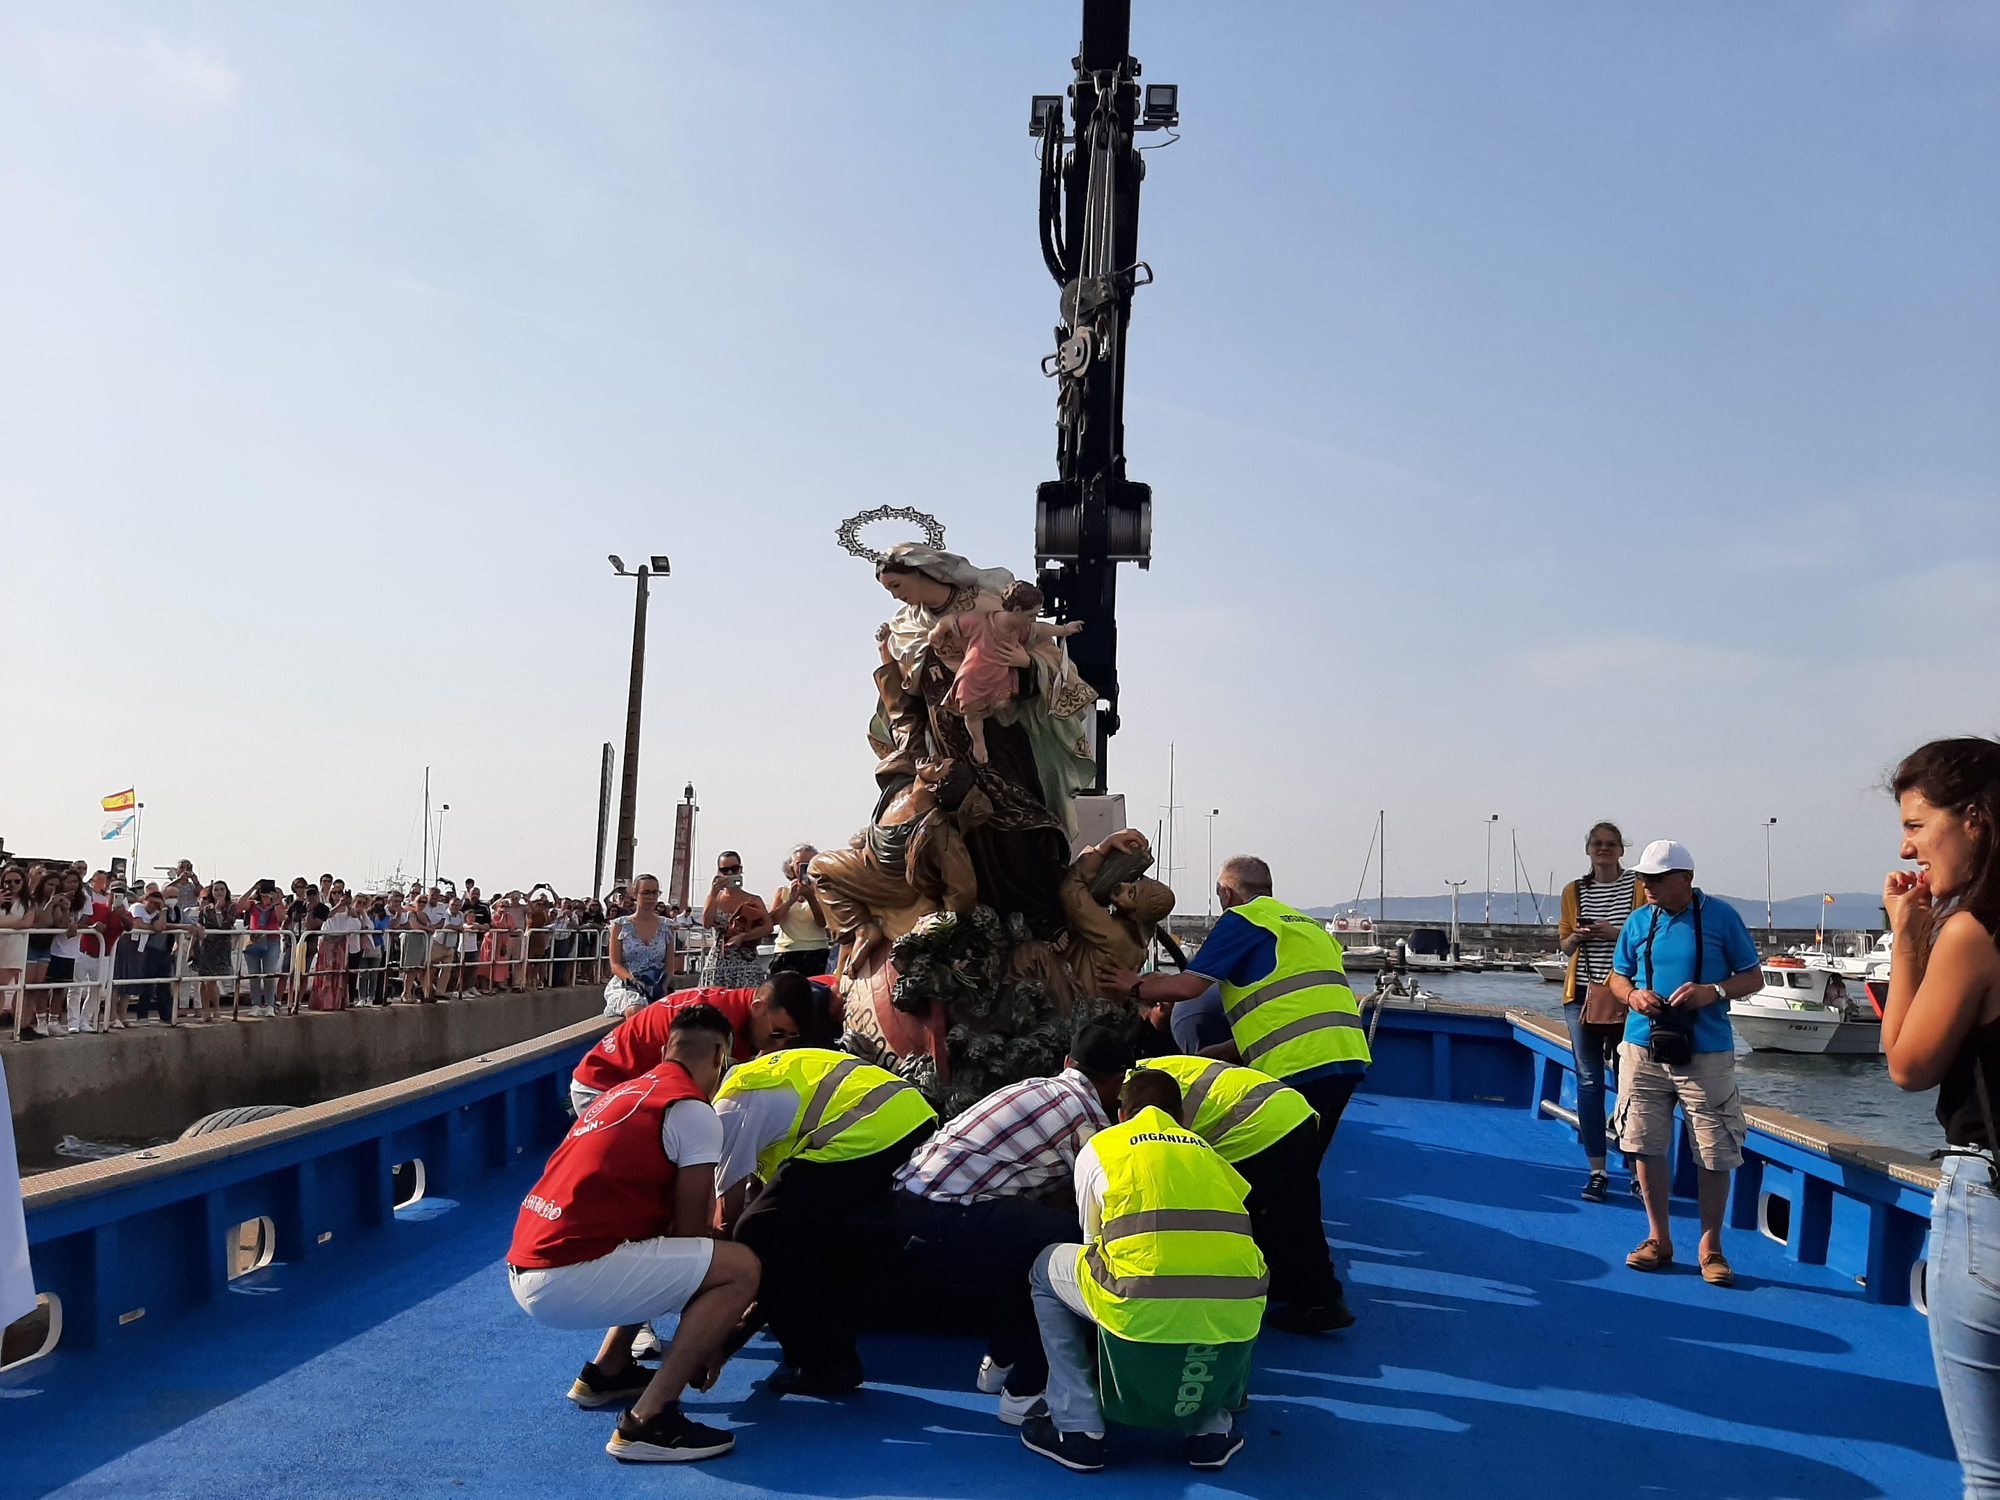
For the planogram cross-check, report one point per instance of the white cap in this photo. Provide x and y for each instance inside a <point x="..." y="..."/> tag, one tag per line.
<point x="1663" y="855"/>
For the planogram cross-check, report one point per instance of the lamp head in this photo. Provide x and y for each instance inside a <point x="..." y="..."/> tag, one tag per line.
<point x="617" y="564"/>
<point x="659" y="564"/>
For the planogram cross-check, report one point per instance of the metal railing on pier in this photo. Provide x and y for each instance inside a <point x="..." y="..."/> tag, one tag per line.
<point x="277" y="971"/>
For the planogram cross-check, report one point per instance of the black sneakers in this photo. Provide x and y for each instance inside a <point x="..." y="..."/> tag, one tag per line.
<point x="670" y="1438"/>
<point x="594" y="1388"/>
<point x="1211" y="1450"/>
<point x="835" y="1380"/>
<point x="1597" y="1189"/>
<point x="1073" y="1450"/>
<point x="1294" y="1317"/>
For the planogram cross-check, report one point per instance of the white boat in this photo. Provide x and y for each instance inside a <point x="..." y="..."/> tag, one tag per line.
<point x="1366" y="958"/>
<point x="1552" y="970"/>
<point x="1430" y="950"/>
<point x="1846" y="965"/>
<point x="1804" y="1008"/>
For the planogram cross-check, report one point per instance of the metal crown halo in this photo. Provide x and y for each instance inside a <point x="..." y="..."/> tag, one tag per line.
<point x="848" y="532"/>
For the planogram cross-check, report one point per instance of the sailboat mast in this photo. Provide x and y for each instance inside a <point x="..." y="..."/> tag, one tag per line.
<point x="1381" y="868"/>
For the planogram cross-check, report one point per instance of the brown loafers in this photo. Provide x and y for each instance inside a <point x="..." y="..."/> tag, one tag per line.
<point x="1715" y="1269"/>
<point x="1650" y="1256"/>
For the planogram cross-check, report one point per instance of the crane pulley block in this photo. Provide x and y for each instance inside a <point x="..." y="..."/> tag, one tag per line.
<point x="1063" y="523"/>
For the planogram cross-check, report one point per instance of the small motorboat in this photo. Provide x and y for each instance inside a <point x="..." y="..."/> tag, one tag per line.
<point x="1806" y="1008"/>
<point x="1552" y="970"/>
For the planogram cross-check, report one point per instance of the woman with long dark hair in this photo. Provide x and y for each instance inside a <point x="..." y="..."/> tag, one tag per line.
<point x="1594" y="908"/>
<point x="1941" y="1029"/>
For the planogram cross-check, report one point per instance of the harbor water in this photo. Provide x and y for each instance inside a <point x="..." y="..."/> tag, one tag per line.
<point x="1853" y="1093"/>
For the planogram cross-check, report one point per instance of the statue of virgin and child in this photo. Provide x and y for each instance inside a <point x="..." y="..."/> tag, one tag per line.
<point x="983" y="738"/>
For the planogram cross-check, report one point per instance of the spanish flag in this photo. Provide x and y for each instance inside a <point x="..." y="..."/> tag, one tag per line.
<point x="1826" y="900"/>
<point x="120" y="801"/>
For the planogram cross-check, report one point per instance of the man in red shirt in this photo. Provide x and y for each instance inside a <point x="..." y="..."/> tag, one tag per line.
<point x="621" y="1229"/>
<point x="777" y="1013"/>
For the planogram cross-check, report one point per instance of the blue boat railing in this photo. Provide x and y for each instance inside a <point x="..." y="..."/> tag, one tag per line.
<point x="159" y="1233"/>
<point x="152" y="1234"/>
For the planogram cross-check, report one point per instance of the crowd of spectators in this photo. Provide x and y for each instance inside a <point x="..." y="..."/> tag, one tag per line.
<point x="81" y="951"/>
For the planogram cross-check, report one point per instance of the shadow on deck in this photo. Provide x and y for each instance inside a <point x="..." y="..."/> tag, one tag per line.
<point x="1503" y="1350"/>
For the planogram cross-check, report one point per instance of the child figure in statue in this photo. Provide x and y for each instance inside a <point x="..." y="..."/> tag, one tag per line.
<point x="984" y="649"/>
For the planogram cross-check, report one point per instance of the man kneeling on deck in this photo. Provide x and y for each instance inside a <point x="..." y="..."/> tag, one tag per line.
<point x="777" y="1013"/>
<point x="825" y="1132"/>
<point x="1170" y="1287"/>
<point x="1270" y="1134"/>
<point x="994" y="1188"/>
<point x="620" y="1230"/>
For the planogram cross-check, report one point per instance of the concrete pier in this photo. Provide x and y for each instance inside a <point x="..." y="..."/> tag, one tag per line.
<point x="151" y="1081"/>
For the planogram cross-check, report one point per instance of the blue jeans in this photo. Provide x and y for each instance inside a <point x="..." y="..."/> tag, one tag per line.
<point x="1199" y="1022"/>
<point x="1069" y="1339"/>
<point x="1588" y="1044"/>
<point x="259" y="961"/>
<point x="1962" y="1287"/>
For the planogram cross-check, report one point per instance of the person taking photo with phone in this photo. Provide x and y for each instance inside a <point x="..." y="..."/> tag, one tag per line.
<point x="1594" y="909"/>
<point x="803" y="939"/>
<point x="740" y="921"/>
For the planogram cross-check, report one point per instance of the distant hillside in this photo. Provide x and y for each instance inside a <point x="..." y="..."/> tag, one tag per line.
<point x="1851" y="911"/>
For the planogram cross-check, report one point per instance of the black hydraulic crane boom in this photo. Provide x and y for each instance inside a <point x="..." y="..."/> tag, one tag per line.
<point x="1091" y="518"/>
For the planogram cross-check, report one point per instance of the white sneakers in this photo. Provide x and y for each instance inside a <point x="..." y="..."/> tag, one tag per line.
<point x="992" y="1378"/>
<point x="1014" y="1410"/>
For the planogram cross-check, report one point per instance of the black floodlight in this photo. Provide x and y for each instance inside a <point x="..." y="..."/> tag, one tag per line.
<point x="1045" y="113"/>
<point x="1163" y="106"/>
<point x="617" y="564"/>
<point x="659" y="565"/>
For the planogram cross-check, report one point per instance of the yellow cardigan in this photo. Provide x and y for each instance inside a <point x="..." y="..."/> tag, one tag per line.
<point x="1572" y="914"/>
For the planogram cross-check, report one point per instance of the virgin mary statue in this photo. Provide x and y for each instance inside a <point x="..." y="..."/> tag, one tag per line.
<point x="1038" y="744"/>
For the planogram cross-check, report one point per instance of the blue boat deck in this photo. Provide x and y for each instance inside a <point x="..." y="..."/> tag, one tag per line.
<point x="1503" y="1350"/>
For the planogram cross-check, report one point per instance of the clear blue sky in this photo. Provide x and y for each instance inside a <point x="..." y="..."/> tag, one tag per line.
<point x="1558" y="411"/>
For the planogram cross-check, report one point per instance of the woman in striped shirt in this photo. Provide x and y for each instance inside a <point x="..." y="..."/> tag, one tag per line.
<point x="1594" y="908"/>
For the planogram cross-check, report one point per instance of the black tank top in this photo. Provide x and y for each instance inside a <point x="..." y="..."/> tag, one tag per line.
<point x="1958" y="1108"/>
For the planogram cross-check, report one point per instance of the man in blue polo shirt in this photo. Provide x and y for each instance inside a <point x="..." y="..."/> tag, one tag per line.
<point x="1678" y="964"/>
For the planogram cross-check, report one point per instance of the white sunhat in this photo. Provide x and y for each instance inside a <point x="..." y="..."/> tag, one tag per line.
<point x="1663" y="855"/>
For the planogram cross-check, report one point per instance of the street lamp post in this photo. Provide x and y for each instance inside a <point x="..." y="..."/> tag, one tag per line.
<point x="628" y="791"/>
<point x="437" y="849"/>
<point x="1769" y="824"/>
<point x="1495" y="818"/>
<point x="1213" y="814"/>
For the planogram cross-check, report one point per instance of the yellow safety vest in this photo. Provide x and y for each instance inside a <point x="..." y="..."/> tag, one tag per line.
<point x="1173" y="1261"/>
<point x="1301" y="1015"/>
<point x="1238" y="1111"/>
<point x="847" y="1108"/>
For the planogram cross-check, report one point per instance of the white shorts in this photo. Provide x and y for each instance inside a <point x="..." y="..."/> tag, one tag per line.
<point x="639" y="1281"/>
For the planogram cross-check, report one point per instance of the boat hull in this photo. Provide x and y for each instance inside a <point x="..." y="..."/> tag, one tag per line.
<point x="1804" y="1032"/>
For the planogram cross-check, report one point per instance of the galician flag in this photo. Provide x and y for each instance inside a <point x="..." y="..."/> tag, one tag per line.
<point x="113" y="827"/>
<point x="121" y="801"/>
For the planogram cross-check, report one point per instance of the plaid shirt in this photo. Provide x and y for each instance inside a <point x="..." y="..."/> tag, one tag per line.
<point x="1011" y="1144"/>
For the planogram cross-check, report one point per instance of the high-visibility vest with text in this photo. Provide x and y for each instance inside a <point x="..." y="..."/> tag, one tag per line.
<point x="1238" y="1111"/>
<point x="1173" y="1261"/>
<point x="848" y="1109"/>
<point x="1301" y="1015"/>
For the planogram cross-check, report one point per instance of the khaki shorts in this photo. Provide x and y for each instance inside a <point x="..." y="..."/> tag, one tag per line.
<point x="1707" y="1093"/>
